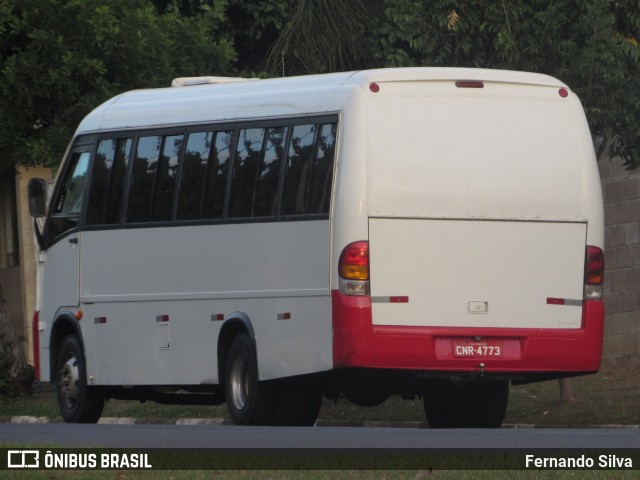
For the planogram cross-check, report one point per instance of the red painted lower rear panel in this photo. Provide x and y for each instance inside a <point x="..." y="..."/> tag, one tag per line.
<point x="358" y="343"/>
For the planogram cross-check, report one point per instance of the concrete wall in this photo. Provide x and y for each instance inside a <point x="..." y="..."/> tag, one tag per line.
<point x="11" y="282"/>
<point x="19" y="281"/>
<point x="27" y="249"/>
<point x="621" y="190"/>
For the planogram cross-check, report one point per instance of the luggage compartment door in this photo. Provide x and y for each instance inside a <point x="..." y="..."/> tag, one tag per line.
<point x="477" y="273"/>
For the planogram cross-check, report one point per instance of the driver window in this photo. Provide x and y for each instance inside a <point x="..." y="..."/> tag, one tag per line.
<point x="65" y="214"/>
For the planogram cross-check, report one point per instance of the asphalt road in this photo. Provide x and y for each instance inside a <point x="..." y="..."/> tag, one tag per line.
<point x="232" y="437"/>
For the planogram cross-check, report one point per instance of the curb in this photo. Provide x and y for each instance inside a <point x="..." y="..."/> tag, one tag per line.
<point x="27" y="419"/>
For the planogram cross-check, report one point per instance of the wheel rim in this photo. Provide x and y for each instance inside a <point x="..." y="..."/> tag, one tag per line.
<point x="69" y="381"/>
<point x="239" y="380"/>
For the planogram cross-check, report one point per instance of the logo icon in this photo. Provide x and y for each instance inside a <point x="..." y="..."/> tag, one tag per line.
<point x="23" y="459"/>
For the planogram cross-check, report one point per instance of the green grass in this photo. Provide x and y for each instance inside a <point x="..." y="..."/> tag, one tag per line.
<point x="609" y="397"/>
<point x="322" y="475"/>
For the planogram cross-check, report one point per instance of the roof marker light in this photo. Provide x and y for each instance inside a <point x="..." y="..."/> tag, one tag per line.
<point x="469" y="84"/>
<point x="374" y="87"/>
<point x="563" y="92"/>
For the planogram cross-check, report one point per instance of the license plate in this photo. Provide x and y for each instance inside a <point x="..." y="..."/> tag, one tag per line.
<point x="485" y="348"/>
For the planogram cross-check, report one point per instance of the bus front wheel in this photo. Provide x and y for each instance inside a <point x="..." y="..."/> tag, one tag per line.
<point x="78" y="402"/>
<point x="249" y="401"/>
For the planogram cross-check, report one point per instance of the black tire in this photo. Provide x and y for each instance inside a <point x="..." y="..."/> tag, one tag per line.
<point x="367" y="398"/>
<point x="77" y="402"/>
<point x="493" y="401"/>
<point x="298" y="406"/>
<point x="249" y="401"/>
<point x="480" y="404"/>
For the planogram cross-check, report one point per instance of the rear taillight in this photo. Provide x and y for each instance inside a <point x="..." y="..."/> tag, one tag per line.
<point x="353" y="269"/>
<point x="354" y="261"/>
<point x="593" y="273"/>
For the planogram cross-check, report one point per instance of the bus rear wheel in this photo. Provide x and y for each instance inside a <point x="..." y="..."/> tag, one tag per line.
<point x="77" y="402"/>
<point x="298" y="406"/>
<point x="474" y="404"/>
<point x="249" y="401"/>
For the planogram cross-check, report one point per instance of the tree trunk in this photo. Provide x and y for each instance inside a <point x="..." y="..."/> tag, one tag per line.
<point x="567" y="393"/>
<point x="16" y="375"/>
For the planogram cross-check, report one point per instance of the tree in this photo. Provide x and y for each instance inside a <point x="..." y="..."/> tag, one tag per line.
<point x="327" y="35"/>
<point x="591" y="45"/>
<point x="252" y="26"/>
<point x="61" y="58"/>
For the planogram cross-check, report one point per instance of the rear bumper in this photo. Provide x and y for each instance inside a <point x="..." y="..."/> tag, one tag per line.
<point x="358" y="343"/>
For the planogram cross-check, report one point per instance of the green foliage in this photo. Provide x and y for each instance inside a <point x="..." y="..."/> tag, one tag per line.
<point x="591" y="45"/>
<point x="61" y="58"/>
<point x="252" y="26"/>
<point x="327" y="35"/>
<point x="255" y="26"/>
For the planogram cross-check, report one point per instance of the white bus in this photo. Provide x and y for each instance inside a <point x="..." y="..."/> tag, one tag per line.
<point x="417" y="232"/>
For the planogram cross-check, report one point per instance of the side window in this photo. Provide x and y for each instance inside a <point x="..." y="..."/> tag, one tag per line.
<point x="245" y="169"/>
<point x="269" y="173"/>
<point x="153" y="180"/>
<point x="211" y="173"/>
<point x="217" y="173"/>
<point x="67" y="205"/>
<point x="69" y="201"/>
<point x="166" y="178"/>
<point x="194" y="169"/>
<point x="107" y="181"/>
<point x="322" y="171"/>
<point x="145" y="166"/>
<point x="298" y="170"/>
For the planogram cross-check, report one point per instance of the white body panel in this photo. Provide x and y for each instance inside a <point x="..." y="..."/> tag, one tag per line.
<point x="437" y="151"/>
<point x="194" y="273"/>
<point x="59" y="270"/>
<point x="61" y="266"/>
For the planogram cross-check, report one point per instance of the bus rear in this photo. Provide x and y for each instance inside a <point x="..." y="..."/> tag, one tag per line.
<point x="482" y="263"/>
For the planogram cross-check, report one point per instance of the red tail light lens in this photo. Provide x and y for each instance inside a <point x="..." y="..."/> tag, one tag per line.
<point x="594" y="266"/>
<point x="354" y="261"/>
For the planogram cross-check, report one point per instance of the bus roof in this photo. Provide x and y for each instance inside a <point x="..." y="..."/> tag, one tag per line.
<point x="196" y="102"/>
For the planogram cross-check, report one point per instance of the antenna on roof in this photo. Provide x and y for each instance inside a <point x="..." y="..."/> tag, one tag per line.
<point x="190" y="81"/>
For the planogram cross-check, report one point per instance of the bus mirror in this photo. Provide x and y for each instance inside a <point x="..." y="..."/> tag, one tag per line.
<point x="37" y="197"/>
